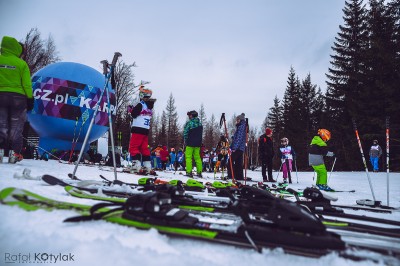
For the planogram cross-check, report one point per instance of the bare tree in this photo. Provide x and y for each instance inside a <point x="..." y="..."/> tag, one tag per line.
<point x="124" y="89"/>
<point x="39" y="53"/>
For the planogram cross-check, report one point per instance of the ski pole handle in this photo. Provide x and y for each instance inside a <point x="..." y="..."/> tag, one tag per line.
<point x="105" y="66"/>
<point x="115" y="58"/>
<point x="354" y="124"/>
<point x="221" y="121"/>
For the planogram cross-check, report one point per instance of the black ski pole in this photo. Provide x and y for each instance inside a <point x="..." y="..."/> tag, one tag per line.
<point x="246" y="151"/>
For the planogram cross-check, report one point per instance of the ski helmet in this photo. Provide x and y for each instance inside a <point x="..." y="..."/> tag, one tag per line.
<point x="285" y="141"/>
<point x="375" y="141"/>
<point x="324" y="134"/>
<point x="193" y="113"/>
<point x="144" y="93"/>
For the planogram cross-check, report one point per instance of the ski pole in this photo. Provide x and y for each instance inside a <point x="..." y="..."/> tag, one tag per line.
<point x="363" y="158"/>
<point x="37" y="146"/>
<point x="73" y="138"/>
<point x="246" y="151"/>
<point x="96" y="109"/>
<point x="333" y="165"/>
<point x="295" y="166"/>
<point x="279" y="172"/>
<point x="387" y="158"/>
<point x="229" y="150"/>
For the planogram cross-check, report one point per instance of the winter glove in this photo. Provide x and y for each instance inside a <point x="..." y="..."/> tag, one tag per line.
<point x="282" y="160"/>
<point x="30" y="103"/>
<point x="130" y="108"/>
<point x="330" y="154"/>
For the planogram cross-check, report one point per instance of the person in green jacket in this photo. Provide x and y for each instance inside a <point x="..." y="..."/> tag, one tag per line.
<point x="319" y="149"/>
<point x="192" y="135"/>
<point x="15" y="98"/>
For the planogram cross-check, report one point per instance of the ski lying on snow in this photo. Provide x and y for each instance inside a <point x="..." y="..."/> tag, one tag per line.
<point x="379" y="228"/>
<point x="173" y="221"/>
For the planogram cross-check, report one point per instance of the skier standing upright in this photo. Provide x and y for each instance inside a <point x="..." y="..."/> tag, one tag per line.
<point x="374" y="153"/>
<point x="15" y="98"/>
<point x="287" y="155"/>
<point x="192" y="135"/>
<point x="319" y="149"/>
<point x="138" y="144"/>
<point x="238" y="147"/>
<point x="266" y="154"/>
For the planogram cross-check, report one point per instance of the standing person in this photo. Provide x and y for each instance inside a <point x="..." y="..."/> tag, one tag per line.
<point x="192" y="135"/>
<point x="206" y="160"/>
<point x="222" y="150"/>
<point x="319" y="149"/>
<point x="374" y="153"/>
<point x="138" y="144"/>
<point x="164" y="157"/>
<point x="172" y="158"/>
<point x="238" y="147"/>
<point x="180" y="158"/>
<point x="287" y="155"/>
<point x="15" y="98"/>
<point x="266" y="154"/>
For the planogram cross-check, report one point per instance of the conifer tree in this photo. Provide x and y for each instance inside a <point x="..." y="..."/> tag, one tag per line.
<point x="172" y="126"/>
<point x="346" y="79"/>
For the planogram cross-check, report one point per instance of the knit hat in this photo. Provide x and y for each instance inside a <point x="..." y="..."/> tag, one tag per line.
<point x="240" y="117"/>
<point x="268" y="131"/>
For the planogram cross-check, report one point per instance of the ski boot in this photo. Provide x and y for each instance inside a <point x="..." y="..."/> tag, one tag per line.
<point x="325" y="188"/>
<point x="136" y="166"/>
<point x="1" y="155"/>
<point x="147" y="168"/>
<point x="14" y="157"/>
<point x="189" y="175"/>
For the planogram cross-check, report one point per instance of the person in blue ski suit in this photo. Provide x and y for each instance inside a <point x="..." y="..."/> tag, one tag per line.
<point x="375" y="153"/>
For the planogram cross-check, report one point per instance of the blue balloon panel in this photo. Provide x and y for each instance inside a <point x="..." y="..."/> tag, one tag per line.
<point x="66" y="95"/>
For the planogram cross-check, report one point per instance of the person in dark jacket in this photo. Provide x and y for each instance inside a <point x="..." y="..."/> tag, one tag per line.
<point x="192" y="135"/>
<point x="238" y="146"/>
<point x="319" y="149"/>
<point x="15" y="98"/>
<point x="266" y="154"/>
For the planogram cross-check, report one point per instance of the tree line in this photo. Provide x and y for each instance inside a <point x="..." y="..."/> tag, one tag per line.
<point x="362" y="86"/>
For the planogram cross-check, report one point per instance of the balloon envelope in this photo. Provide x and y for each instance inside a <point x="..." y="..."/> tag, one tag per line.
<point x="66" y="95"/>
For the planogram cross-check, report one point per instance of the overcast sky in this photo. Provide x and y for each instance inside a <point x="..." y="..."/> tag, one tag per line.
<point x="231" y="56"/>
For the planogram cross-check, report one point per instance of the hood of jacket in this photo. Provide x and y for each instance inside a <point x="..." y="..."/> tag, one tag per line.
<point x="10" y="46"/>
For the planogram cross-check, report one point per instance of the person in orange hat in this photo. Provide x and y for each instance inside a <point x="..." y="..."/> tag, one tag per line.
<point x="266" y="154"/>
<point x="319" y="149"/>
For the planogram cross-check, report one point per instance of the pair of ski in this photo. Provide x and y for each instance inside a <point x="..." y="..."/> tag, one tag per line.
<point x="305" y="235"/>
<point x="318" y="204"/>
<point x="224" y="198"/>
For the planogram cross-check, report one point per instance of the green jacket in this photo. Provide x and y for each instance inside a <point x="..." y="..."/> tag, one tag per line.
<point x="317" y="150"/>
<point x="14" y="72"/>
<point x="193" y="132"/>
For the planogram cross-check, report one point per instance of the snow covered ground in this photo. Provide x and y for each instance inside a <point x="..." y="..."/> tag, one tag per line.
<point x="100" y="243"/>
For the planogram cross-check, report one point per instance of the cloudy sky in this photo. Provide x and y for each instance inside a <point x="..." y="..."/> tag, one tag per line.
<point x="232" y="56"/>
